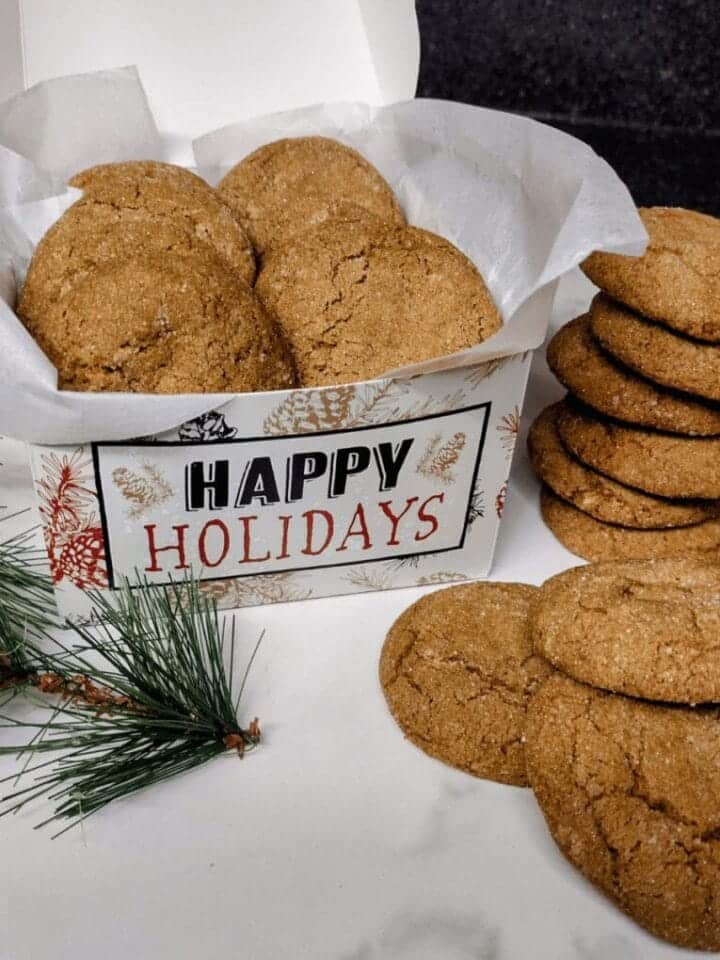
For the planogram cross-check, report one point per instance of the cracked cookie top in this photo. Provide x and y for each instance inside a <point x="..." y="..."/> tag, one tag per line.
<point x="677" y="280"/>
<point x="155" y="219"/>
<point x="629" y="791"/>
<point x="118" y="179"/>
<point x="359" y="299"/>
<point x="581" y="365"/>
<point x="651" y="350"/>
<point x="664" y="464"/>
<point x="163" y="324"/>
<point x="283" y="187"/>
<point x="646" y="628"/>
<point x="594" y="539"/>
<point x="457" y="669"/>
<point x="599" y="496"/>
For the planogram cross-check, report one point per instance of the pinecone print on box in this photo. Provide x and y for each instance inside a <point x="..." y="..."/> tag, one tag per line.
<point x="307" y="411"/>
<point x="72" y="531"/>
<point x="508" y="429"/>
<point x="252" y="591"/>
<point x="143" y="488"/>
<point x="440" y="457"/>
<point x="441" y="576"/>
<point x="210" y="426"/>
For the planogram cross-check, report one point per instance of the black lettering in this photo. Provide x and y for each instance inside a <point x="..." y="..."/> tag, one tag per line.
<point x="210" y="478"/>
<point x="390" y="460"/>
<point x="258" y="483"/>
<point x="347" y="461"/>
<point x="301" y="468"/>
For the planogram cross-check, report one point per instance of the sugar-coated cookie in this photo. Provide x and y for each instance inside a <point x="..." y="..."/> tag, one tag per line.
<point x="356" y="300"/>
<point x="645" y="628"/>
<point x="283" y="187"/>
<point x="599" y="496"/>
<point x="629" y="791"/>
<point x="654" y="352"/>
<point x="163" y="324"/>
<point x="457" y="670"/>
<point x="592" y="539"/>
<point x="677" y="280"/>
<point x="581" y="365"/>
<point x="664" y="464"/>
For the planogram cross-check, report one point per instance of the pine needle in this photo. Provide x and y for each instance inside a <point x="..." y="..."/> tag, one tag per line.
<point x="27" y="605"/>
<point x="146" y="696"/>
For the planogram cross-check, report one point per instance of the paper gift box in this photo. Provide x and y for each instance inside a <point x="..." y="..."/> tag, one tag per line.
<point x="311" y="492"/>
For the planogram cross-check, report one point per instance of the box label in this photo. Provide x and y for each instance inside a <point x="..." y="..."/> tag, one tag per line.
<point x="272" y="504"/>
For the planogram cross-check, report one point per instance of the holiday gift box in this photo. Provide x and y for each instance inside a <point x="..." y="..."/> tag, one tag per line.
<point x="310" y="492"/>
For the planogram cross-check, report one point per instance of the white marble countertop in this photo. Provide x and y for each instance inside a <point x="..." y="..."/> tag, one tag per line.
<point x="336" y="839"/>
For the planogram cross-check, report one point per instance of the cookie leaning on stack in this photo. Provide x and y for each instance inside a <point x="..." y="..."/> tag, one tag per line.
<point x="646" y="430"/>
<point x="628" y="786"/>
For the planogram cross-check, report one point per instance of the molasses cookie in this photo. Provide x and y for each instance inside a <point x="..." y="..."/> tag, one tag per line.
<point x="94" y="231"/>
<point x="107" y="179"/>
<point x="599" y="496"/>
<point x="163" y="324"/>
<point x="581" y="365"/>
<point x="356" y="300"/>
<point x="656" y="353"/>
<point x="645" y="628"/>
<point x="677" y="280"/>
<point x="286" y="186"/>
<point x="591" y="539"/>
<point x="457" y="669"/>
<point x="628" y="790"/>
<point x="663" y="464"/>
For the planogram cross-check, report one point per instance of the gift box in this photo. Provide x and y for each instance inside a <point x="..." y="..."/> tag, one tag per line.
<point x="310" y="492"/>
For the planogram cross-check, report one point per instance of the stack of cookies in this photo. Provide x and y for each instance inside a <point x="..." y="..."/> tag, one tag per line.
<point x="625" y="769"/>
<point x="630" y="460"/>
<point x="150" y="282"/>
<point x="587" y="690"/>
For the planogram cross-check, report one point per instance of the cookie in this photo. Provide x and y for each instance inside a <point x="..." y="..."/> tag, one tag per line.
<point x="677" y="280"/>
<point x="656" y="353"/>
<point x="288" y="185"/>
<point x="663" y="464"/>
<point x="580" y="364"/>
<point x="119" y="178"/>
<point x="163" y="324"/>
<point x="599" y="496"/>
<point x="645" y="628"/>
<point x="592" y="539"/>
<point x="628" y="790"/>
<point x="356" y="300"/>
<point x="92" y="232"/>
<point x="457" y="670"/>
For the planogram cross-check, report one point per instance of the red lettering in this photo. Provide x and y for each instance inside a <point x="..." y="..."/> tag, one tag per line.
<point x="283" y="555"/>
<point x="247" y="543"/>
<point x="395" y="519"/>
<point x="202" y="543"/>
<point x="429" y="517"/>
<point x="154" y="550"/>
<point x="309" y="517"/>
<point x="363" y="532"/>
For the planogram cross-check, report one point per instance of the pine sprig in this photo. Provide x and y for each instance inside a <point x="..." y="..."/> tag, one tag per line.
<point x="27" y="606"/>
<point x="148" y="694"/>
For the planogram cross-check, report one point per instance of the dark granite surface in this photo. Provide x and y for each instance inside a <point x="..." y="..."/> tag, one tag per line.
<point x="638" y="81"/>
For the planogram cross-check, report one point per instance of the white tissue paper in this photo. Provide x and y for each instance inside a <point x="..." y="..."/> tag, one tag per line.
<point x="524" y="201"/>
